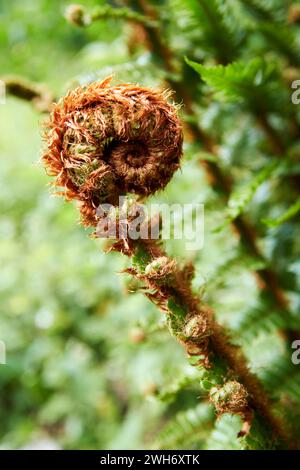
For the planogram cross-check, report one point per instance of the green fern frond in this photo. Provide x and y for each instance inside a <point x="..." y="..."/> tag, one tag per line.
<point x="242" y="196"/>
<point x="206" y="23"/>
<point x="254" y="85"/>
<point x="291" y="212"/>
<point x="281" y="40"/>
<point x="282" y="379"/>
<point x="169" y="393"/>
<point x="224" y="435"/>
<point x="264" y="318"/>
<point x="265" y="10"/>
<point x="188" y="429"/>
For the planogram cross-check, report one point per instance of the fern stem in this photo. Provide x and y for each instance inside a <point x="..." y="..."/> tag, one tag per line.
<point x="209" y="347"/>
<point x="78" y="15"/>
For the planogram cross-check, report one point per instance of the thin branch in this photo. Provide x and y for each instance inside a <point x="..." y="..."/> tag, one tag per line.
<point x="39" y="95"/>
<point x="80" y="16"/>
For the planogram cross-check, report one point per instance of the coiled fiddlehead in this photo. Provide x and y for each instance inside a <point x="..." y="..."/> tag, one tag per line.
<point x="104" y="141"/>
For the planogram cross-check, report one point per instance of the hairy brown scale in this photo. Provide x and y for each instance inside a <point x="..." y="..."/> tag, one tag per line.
<point x="104" y="141"/>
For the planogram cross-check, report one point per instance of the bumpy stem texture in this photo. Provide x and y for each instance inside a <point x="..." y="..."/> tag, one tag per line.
<point x="232" y="387"/>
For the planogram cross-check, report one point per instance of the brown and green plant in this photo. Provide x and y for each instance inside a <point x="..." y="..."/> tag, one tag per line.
<point x="103" y="141"/>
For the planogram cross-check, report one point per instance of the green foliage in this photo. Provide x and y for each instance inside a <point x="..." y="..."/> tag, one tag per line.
<point x="240" y="198"/>
<point x="283" y="378"/>
<point x="283" y="40"/>
<point x="265" y="10"/>
<point x="172" y="390"/>
<point x="258" y="321"/>
<point x="78" y="15"/>
<point x="90" y="363"/>
<point x="186" y="429"/>
<point x="290" y="212"/>
<point x="222" y="437"/>
<point x="207" y="22"/>
<point x="252" y="84"/>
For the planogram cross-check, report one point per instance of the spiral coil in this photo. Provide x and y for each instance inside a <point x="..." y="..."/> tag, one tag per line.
<point x="104" y="141"/>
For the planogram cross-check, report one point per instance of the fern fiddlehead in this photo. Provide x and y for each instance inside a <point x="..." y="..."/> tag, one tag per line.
<point x="104" y="141"/>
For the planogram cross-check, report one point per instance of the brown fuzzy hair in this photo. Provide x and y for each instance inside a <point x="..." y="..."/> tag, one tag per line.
<point x="104" y="141"/>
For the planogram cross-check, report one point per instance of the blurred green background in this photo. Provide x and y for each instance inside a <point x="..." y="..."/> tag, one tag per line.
<point x="89" y="364"/>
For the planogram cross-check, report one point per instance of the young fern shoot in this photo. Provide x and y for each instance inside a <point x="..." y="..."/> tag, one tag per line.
<point x="105" y="141"/>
